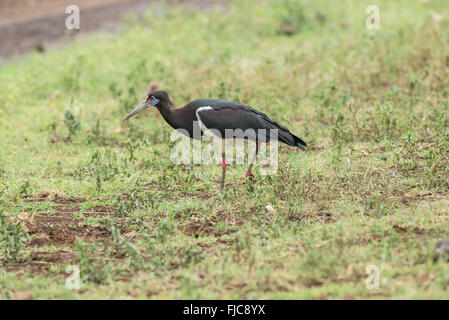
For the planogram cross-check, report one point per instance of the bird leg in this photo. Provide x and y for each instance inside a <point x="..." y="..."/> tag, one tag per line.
<point x="223" y="166"/>
<point x="249" y="173"/>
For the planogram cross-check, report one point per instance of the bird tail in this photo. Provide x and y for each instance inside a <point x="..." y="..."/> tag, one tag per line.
<point x="284" y="135"/>
<point x="300" y="143"/>
<point x="289" y="138"/>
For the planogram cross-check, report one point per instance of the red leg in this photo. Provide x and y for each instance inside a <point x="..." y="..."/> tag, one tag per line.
<point x="223" y="166"/>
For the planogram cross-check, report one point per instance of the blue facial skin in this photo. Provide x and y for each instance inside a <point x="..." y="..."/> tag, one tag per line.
<point x="154" y="102"/>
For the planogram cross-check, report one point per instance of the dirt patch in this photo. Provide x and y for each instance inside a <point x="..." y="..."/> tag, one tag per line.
<point x="22" y="295"/>
<point x="40" y="240"/>
<point x="63" y="229"/>
<point x="60" y="229"/>
<point x="41" y="262"/>
<point x="27" y="25"/>
<point x="54" y="257"/>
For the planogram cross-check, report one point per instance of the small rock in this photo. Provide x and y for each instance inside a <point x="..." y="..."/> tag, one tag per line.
<point x="441" y="250"/>
<point x="270" y="209"/>
<point x="39" y="240"/>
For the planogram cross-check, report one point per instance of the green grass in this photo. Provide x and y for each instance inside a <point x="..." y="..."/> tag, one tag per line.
<point x="372" y="188"/>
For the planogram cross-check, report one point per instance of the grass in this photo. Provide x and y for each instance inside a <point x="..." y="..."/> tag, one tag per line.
<point x="372" y="188"/>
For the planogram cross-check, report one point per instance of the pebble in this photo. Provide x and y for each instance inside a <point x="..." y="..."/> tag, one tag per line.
<point x="270" y="209"/>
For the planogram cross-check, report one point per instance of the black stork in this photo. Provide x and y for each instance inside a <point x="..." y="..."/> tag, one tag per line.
<point x="218" y="115"/>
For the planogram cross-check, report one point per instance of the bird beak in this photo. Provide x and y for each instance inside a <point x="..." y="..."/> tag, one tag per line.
<point x="142" y="106"/>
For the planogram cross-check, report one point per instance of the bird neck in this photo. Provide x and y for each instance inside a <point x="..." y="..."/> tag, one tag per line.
<point x="166" y="111"/>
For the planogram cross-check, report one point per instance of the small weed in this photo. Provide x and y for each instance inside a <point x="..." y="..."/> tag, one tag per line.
<point x="96" y="134"/>
<point x="24" y="189"/>
<point x="12" y="239"/>
<point x="92" y="264"/>
<point x="121" y="248"/>
<point x="72" y="123"/>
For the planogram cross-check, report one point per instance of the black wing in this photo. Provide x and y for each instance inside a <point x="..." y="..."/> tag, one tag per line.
<point x="221" y="115"/>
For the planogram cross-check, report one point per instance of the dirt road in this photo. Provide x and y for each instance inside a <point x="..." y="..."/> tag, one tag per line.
<point x="36" y="24"/>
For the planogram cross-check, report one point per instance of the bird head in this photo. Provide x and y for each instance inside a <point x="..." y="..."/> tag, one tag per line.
<point x="154" y="99"/>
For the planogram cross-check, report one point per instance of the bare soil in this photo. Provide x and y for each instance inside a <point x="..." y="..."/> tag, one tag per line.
<point x="60" y="229"/>
<point x="38" y="24"/>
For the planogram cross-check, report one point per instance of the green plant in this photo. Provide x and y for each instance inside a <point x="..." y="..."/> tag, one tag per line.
<point x="72" y="123"/>
<point x="12" y="238"/>
<point x="24" y="189"/>
<point x="92" y="265"/>
<point x="121" y="248"/>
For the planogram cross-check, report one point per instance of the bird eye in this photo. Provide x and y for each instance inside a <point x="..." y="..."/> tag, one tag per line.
<point x="150" y="98"/>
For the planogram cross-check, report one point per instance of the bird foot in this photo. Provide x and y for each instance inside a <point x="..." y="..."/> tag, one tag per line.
<point x="250" y="175"/>
<point x="250" y="181"/>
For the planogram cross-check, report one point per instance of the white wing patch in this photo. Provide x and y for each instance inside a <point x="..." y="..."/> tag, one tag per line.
<point x="202" y="126"/>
